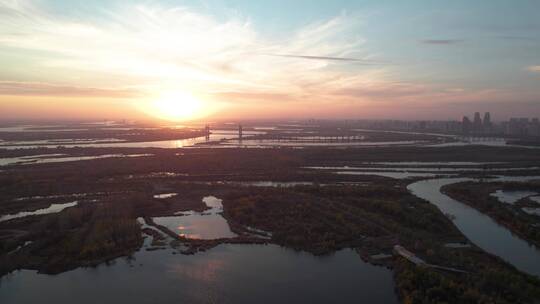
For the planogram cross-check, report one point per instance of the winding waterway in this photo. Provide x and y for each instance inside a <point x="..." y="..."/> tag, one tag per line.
<point x="480" y="228"/>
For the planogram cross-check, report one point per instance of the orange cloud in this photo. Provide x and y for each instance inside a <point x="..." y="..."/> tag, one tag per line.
<point x="46" y="89"/>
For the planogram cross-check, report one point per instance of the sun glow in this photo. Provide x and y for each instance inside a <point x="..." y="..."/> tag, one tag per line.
<point x="176" y="106"/>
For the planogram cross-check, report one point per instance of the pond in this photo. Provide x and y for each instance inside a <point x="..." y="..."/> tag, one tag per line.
<point x="511" y="197"/>
<point x="199" y="225"/>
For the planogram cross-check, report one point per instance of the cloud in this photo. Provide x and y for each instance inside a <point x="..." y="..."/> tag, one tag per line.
<point x="250" y="96"/>
<point x="385" y="91"/>
<point x="441" y="41"/>
<point x="174" y="48"/>
<point x="533" y="68"/>
<point x="330" y="58"/>
<point x="46" y="89"/>
<point x="139" y="51"/>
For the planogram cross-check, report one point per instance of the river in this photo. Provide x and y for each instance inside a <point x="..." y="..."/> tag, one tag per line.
<point x="480" y="228"/>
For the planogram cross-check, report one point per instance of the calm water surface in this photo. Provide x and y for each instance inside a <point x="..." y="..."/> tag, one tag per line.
<point x="480" y="228"/>
<point x="511" y="197"/>
<point x="225" y="274"/>
<point x="199" y="225"/>
<point x="396" y="175"/>
<point x="54" y="208"/>
<point x="59" y="158"/>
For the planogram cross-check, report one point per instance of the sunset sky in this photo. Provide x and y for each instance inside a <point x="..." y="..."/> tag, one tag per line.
<point x="268" y="59"/>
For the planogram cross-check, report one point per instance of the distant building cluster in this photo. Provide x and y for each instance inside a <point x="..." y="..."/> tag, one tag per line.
<point x="479" y="125"/>
<point x="439" y="126"/>
<point x="518" y="127"/>
<point x="522" y="127"/>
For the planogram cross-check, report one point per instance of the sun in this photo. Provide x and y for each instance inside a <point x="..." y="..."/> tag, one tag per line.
<point x="176" y="106"/>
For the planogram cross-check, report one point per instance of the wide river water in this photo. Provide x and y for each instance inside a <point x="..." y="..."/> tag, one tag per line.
<point x="225" y="274"/>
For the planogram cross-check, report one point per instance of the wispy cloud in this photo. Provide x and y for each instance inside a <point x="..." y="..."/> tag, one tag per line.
<point x="47" y="89"/>
<point x="441" y="41"/>
<point x="159" y="48"/>
<point x="533" y="68"/>
<point x="386" y="91"/>
<point x="331" y="58"/>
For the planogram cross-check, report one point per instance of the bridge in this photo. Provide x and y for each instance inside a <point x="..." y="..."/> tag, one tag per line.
<point x="411" y="257"/>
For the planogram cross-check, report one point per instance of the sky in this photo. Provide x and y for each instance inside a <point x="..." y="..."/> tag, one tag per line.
<point x="244" y="59"/>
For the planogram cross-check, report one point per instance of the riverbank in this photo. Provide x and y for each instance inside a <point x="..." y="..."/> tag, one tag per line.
<point x="479" y="195"/>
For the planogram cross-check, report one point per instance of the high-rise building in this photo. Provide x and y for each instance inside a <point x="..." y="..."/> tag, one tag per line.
<point x="487" y="122"/>
<point x="466" y="125"/>
<point x="477" y="123"/>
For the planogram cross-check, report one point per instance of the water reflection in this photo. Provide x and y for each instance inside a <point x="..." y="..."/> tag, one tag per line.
<point x="148" y="144"/>
<point x="257" y="143"/>
<point x="275" y="184"/>
<point x="215" y="136"/>
<point x="199" y="225"/>
<point x="396" y="175"/>
<point x="225" y="274"/>
<point x="59" y="158"/>
<point x="427" y="169"/>
<point x="165" y="195"/>
<point x="416" y="163"/>
<point x="64" y="141"/>
<point x="54" y="208"/>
